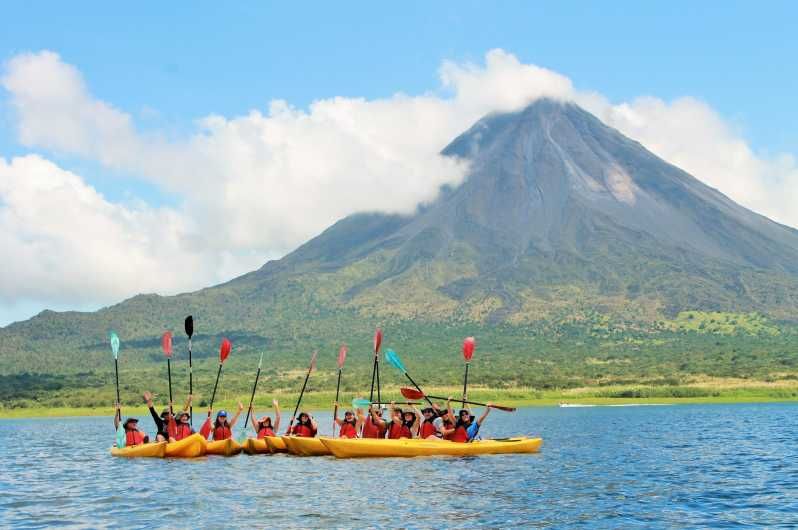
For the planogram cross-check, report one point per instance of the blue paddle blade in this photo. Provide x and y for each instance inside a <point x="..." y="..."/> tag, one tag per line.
<point x="361" y="403"/>
<point x="120" y="436"/>
<point x="114" y="344"/>
<point x="394" y="360"/>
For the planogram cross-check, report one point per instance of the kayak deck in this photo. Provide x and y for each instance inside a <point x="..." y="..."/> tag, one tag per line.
<point x="276" y="444"/>
<point x="301" y="446"/>
<point x="228" y="447"/>
<point x="369" y="448"/>
<point x="189" y="447"/>
<point x="254" y="446"/>
<point x="151" y="450"/>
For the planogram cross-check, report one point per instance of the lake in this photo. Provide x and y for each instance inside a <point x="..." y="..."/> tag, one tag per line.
<point x="682" y="466"/>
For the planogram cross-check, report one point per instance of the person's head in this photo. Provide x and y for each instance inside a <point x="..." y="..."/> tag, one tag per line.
<point x="428" y="413"/>
<point x="183" y="417"/>
<point x="464" y="416"/>
<point x="303" y="418"/>
<point x="131" y="424"/>
<point x="397" y="412"/>
<point x="165" y="415"/>
<point x="408" y="416"/>
<point x="221" y="417"/>
<point x="349" y="416"/>
<point x="265" y="421"/>
<point x="377" y="410"/>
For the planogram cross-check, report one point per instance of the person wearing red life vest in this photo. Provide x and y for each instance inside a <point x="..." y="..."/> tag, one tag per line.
<point x="223" y="429"/>
<point x="182" y="428"/>
<point x="373" y="426"/>
<point x="404" y="424"/>
<point x="465" y="428"/>
<point x="433" y="425"/>
<point x="305" y="427"/>
<point x="349" y="426"/>
<point x="263" y="426"/>
<point x="133" y="436"/>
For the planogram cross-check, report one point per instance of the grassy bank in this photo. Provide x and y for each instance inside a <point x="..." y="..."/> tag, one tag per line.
<point x="706" y="391"/>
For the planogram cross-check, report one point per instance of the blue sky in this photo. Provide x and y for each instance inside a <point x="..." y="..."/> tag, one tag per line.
<point x="167" y="66"/>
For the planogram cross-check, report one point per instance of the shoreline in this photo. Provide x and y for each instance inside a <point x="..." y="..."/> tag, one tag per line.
<point x="316" y="403"/>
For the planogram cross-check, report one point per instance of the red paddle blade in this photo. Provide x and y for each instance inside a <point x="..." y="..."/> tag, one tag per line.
<point x="313" y="361"/>
<point x="342" y="356"/>
<point x="468" y="348"/>
<point x="166" y="343"/>
<point x="411" y="393"/>
<point x="205" y="430"/>
<point x="224" y="349"/>
<point x="377" y="341"/>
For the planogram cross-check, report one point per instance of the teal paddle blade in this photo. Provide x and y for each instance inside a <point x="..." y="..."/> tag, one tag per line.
<point x="120" y="436"/>
<point x="394" y="360"/>
<point x="114" y="344"/>
<point x="360" y="403"/>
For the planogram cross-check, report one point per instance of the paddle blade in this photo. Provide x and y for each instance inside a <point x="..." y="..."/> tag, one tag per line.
<point x="166" y="343"/>
<point x="468" y="348"/>
<point x="224" y="349"/>
<point x="121" y="439"/>
<point x="114" y="344"/>
<point x="313" y="362"/>
<point x="411" y="393"/>
<point x="205" y="430"/>
<point x="361" y="403"/>
<point x="377" y="341"/>
<point x="341" y="356"/>
<point x="394" y="360"/>
<point x="189" y="326"/>
<point x="260" y="362"/>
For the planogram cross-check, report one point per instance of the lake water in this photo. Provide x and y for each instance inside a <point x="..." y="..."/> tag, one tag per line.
<point x="604" y="467"/>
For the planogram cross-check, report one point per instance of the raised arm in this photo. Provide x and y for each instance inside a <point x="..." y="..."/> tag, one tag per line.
<point x="188" y="403"/>
<point x="252" y="419"/>
<point x="484" y="414"/>
<point x="238" y="413"/>
<point x="276" y="414"/>
<point x="157" y="419"/>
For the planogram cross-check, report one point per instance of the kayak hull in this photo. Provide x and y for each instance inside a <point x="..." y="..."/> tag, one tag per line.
<point x="301" y="446"/>
<point x="276" y="444"/>
<point x="190" y="447"/>
<point x="153" y="450"/>
<point x="228" y="447"/>
<point x="371" y="448"/>
<point x="254" y="446"/>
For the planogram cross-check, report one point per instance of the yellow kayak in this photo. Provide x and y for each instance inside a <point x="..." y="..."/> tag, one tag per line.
<point x="189" y="447"/>
<point x="276" y="444"/>
<point x="153" y="450"/>
<point x="301" y="446"/>
<point x="227" y="447"/>
<point x="365" y="448"/>
<point x="254" y="446"/>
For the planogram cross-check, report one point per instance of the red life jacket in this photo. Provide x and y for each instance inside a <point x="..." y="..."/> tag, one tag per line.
<point x="460" y="434"/>
<point x="304" y="431"/>
<point x="183" y="430"/>
<point x="348" y="430"/>
<point x="447" y="425"/>
<point x="399" y="430"/>
<point x="265" y="431"/>
<point x="428" y="429"/>
<point x="372" y="430"/>
<point x="134" y="438"/>
<point x="222" y="432"/>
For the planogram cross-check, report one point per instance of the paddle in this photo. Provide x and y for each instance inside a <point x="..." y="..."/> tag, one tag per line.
<point x="468" y="351"/>
<point x="341" y="360"/>
<point x="362" y="403"/>
<point x="224" y="352"/>
<point x="302" y="392"/>
<point x="375" y="370"/>
<point x="252" y="398"/>
<point x="394" y="359"/>
<point x="411" y="393"/>
<point x="166" y="346"/>
<point x="120" y="431"/>
<point x="189" y="327"/>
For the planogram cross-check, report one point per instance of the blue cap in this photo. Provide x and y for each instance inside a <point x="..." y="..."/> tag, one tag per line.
<point x="221" y="413"/>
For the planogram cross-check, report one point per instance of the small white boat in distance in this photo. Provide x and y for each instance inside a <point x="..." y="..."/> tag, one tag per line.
<point x="575" y="405"/>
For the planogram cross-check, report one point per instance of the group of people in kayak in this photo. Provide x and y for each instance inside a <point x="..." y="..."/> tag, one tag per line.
<point x="431" y="423"/>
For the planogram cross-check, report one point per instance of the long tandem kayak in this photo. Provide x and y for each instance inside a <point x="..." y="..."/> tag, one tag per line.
<point x="228" y="447"/>
<point x="369" y="448"/>
<point x="152" y="450"/>
<point x="276" y="444"/>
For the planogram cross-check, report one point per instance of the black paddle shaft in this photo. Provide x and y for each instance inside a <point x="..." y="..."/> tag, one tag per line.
<point x="169" y="374"/>
<point x="298" y="401"/>
<point x="373" y="374"/>
<point x="219" y="373"/>
<point x="251" y="399"/>
<point x="419" y="389"/>
<point x="465" y="385"/>
<point x="116" y="371"/>
<point x="337" y="389"/>
<point x="191" y="385"/>
<point x="377" y="361"/>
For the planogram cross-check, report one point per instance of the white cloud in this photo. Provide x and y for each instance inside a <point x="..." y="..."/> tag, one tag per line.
<point x="258" y="185"/>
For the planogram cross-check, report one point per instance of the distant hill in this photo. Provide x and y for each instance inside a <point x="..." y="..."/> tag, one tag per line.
<point x="561" y="221"/>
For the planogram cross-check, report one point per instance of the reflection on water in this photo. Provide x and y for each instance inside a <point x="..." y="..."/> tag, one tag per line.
<point x="680" y="466"/>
